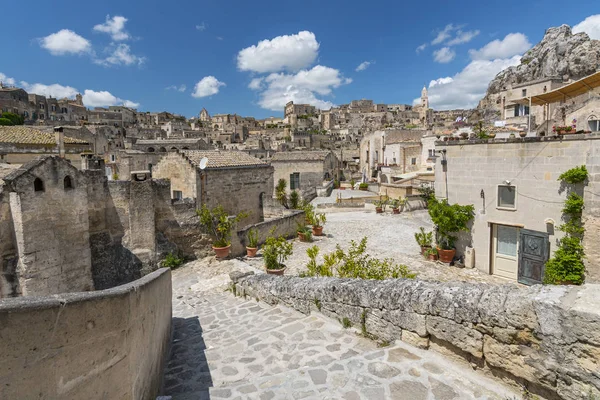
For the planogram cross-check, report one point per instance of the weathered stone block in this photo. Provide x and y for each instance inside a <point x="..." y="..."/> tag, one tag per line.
<point x="463" y="337"/>
<point x="415" y="340"/>
<point x="407" y="320"/>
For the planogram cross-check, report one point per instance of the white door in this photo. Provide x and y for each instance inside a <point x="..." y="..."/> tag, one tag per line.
<point x="505" y="246"/>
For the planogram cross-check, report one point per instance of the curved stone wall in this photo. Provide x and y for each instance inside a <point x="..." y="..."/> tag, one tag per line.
<point x="545" y="338"/>
<point x="108" y="344"/>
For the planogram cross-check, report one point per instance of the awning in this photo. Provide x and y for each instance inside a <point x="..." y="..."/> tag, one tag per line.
<point x="566" y="92"/>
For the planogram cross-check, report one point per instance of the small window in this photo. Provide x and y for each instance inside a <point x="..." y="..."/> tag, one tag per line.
<point x="524" y="93"/>
<point x="177" y="195"/>
<point x="113" y="158"/>
<point x="295" y="181"/>
<point x="68" y="182"/>
<point x="38" y="185"/>
<point x="413" y="161"/>
<point x="507" y="197"/>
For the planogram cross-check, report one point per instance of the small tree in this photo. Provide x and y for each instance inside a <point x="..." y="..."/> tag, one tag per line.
<point x="449" y="219"/>
<point x="292" y="202"/>
<point x="219" y="224"/>
<point x="16" y="119"/>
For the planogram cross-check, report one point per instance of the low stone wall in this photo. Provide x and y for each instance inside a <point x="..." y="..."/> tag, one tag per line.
<point x="546" y="338"/>
<point x="108" y="344"/>
<point x="286" y="225"/>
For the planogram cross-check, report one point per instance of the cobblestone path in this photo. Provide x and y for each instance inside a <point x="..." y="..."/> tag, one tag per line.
<point x="227" y="347"/>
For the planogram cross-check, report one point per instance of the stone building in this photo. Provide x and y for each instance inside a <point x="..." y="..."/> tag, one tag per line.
<point x="298" y="109"/>
<point x="21" y="144"/>
<point x="236" y="180"/>
<point x="518" y="199"/>
<point x="65" y="230"/>
<point x="310" y="172"/>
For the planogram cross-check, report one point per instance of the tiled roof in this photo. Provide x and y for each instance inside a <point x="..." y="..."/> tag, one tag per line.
<point x="24" y="135"/>
<point x="223" y="159"/>
<point x="300" y="156"/>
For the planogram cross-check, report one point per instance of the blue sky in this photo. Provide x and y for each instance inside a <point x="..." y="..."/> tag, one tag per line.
<point x="181" y="56"/>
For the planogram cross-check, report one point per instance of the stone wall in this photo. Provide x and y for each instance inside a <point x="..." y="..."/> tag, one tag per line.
<point x="180" y="172"/>
<point x="533" y="166"/>
<point x="285" y="225"/>
<point x="547" y="338"/>
<point x="108" y="344"/>
<point x="312" y="174"/>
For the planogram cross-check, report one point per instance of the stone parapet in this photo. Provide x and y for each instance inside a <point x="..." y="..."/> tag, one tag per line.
<point x="545" y="338"/>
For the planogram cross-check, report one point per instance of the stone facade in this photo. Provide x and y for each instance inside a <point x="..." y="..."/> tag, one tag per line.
<point x="544" y="338"/>
<point x="532" y="167"/>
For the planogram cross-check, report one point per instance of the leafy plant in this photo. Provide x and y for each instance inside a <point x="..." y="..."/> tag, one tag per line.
<point x="292" y="202"/>
<point x="252" y="236"/>
<point x="306" y="232"/>
<point x="219" y="224"/>
<point x="352" y="183"/>
<point x="316" y="219"/>
<point x="15" y="119"/>
<point x="567" y="265"/>
<point x="172" y="261"/>
<point x="346" y="323"/>
<point x="363" y="185"/>
<point x="574" y="175"/>
<point x="354" y="263"/>
<point x="427" y="193"/>
<point x="431" y="252"/>
<point x="276" y="251"/>
<point x="449" y="219"/>
<point x="5" y="122"/>
<point x="424" y="239"/>
<point x="381" y="203"/>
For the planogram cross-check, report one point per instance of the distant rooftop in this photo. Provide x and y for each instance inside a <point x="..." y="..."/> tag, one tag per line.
<point x="300" y="156"/>
<point x="24" y="135"/>
<point x="223" y="159"/>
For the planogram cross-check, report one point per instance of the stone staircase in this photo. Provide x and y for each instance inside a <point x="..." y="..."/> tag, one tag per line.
<point x="237" y="348"/>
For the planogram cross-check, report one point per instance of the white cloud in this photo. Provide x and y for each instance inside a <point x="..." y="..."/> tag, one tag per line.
<point x="444" y="55"/>
<point x="466" y="88"/>
<point x="364" y="65"/>
<point x="92" y="98"/>
<point x="444" y="34"/>
<point x="115" y="27"/>
<point x="207" y="86"/>
<point x="202" y="27"/>
<point x="65" y="42"/>
<point x="219" y="37"/>
<point x="256" y="83"/>
<point x="590" y="25"/>
<point x="421" y="48"/>
<point x="287" y="52"/>
<point x="121" y="55"/>
<point x="463" y="37"/>
<point x="6" y="80"/>
<point x="302" y="87"/>
<point x="55" y="90"/>
<point x="512" y="44"/>
<point x="180" y="88"/>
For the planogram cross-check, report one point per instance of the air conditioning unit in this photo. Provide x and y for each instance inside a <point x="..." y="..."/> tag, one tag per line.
<point x="469" y="257"/>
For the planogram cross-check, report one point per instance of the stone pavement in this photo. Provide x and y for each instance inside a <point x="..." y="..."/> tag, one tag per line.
<point x="238" y="348"/>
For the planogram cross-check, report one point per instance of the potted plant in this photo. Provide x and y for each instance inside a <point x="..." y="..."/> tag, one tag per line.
<point x="317" y="220"/>
<point x="363" y="186"/>
<point x="219" y="225"/>
<point x="252" y="247"/>
<point x="352" y="183"/>
<point x="380" y="206"/>
<point x="395" y="203"/>
<point x="449" y="219"/>
<point x="431" y="254"/>
<point x="522" y="134"/>
<point x="276" y="251"/>
<point x="511" y="136"/>
<point x="304" y="233"/>
<point x="492" y="135"/>
<point x="424" y="240"/>
<point x="464" y="135"/>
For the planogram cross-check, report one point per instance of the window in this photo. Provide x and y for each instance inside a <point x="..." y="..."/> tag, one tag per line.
<point x="68" y="183"/>
<point x="53" y="107"/>
<point x="594" y="125"/>
<point x="521" y="110"/>
<point x="413" y="161"/>
<point x="295" y="181"/>
<point x="524" y="93"/>
<point x="507" y="197"/>
<point x="150" y="167"/>
<point x="38" y="185"/>
<point x="431" y="153"/>
<point x="113" y="158"/>
<point x="177" y="195"/>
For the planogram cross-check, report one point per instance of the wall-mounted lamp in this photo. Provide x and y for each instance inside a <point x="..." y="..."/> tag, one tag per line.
<point x="507" y="182"/>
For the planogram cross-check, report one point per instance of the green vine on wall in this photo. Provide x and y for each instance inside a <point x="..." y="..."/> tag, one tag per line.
<point x="566" y="266"/>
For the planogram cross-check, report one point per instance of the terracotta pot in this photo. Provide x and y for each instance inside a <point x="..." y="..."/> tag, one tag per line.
<point x="395" y="210"/>
<point x="342" y="188"/>
<point x="379" y="210"/>
<point x="492" y="135"/>
<point x="302" y="237"/>
<point x="432" y="257"/>
<point x="424" y="249"/>
<point x="221" y="252"/>
<point x="522" y="134"/>
<point x="276" y="271"/>
<point x="317" y="230"/>
<point x="251" y="251"/>
<point x="446" y="256"/>
<point x="363" y="189"/>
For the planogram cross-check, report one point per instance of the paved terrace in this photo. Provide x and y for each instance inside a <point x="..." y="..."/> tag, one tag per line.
<point x="227" y="347"/>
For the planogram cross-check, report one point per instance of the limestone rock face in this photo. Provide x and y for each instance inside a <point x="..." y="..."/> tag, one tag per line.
<point x="560" y="54"/>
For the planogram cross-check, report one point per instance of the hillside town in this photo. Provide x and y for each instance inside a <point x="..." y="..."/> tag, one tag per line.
<point x="365" y="251"/>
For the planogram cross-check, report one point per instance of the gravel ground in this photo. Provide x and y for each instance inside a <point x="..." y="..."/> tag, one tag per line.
<point x="389" y="236"/>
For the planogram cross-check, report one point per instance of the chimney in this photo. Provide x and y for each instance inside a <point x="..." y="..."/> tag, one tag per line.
<point x="60" y="140"/>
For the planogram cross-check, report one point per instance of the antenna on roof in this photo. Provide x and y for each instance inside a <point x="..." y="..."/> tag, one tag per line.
<point x="203" y="162"/>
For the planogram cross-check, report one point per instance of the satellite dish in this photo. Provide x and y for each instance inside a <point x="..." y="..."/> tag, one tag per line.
<point x="203" y="162"/>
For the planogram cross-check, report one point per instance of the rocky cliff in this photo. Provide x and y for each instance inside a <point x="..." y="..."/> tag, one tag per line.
<point x="560" y="54"/>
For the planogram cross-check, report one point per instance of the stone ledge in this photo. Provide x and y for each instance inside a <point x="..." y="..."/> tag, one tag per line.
<point x="528" y="334"/>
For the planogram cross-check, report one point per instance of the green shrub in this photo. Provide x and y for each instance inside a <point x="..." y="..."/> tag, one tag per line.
<point x="363" y="185"/>
<point x="354" y="263"/>
<point x="219" y="224"/>
<point x="276" y="251"/>
<point x="16" y="119"/>
<point x="172" y="261"/>
<point x="252" y="238"/>
<point x="424" y="239"/>
<point x="449" y="219"/>
<point x="574" y="175"/>
<point x="5" y="122"/>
